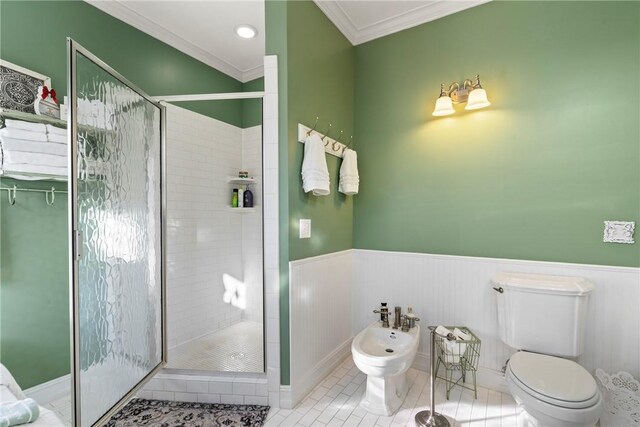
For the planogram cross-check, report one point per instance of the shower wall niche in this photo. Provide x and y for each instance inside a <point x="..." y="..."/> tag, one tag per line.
<point x="214" y="251"/>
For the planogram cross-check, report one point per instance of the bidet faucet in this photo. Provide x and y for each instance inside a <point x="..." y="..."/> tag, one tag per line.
<point x="384" y="316"/>
<point x="397" y="322"/>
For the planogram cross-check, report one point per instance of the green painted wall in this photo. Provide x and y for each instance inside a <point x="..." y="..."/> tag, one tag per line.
<point x="34" y="293"/>
<point x="321" y="84"/>
<point x="316" y="73"/>
<point x="252" y="108"/>
<point x="155" y="67"/>
<point x="276" y="44"/>
<point x="531" y="177"/>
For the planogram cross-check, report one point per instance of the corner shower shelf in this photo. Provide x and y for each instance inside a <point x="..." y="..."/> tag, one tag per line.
<point x="241" y="181"/>
<point x="242" y="210"/>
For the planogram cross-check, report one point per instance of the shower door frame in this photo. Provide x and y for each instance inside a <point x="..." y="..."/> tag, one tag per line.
<point x="75" y="239"/>
<point x="229" y="96"/>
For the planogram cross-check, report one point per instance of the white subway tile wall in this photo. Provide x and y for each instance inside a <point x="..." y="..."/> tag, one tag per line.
<point x="252" y="226"/>
<point x="204" y="238"/>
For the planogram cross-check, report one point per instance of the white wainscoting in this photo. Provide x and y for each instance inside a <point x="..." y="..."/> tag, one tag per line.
<point x="320" y="316"/>
<point x="455" y="290"/>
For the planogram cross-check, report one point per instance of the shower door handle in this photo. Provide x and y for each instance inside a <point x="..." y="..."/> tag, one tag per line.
<point x="78" y="244"/>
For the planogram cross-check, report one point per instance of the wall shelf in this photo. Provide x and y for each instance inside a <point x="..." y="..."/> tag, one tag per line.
<point x="240" y="181"/>
<point x="243" y="210"/>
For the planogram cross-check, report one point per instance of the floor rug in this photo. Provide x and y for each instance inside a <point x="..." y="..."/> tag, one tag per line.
<point x="145" y="412"/>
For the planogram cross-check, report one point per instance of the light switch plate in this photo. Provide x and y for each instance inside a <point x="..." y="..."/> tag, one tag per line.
<point x="619" y="231"/>
<point x="305" y="228"/>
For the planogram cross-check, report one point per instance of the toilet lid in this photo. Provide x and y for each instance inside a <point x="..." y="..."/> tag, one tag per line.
<point x="554" y="377"/>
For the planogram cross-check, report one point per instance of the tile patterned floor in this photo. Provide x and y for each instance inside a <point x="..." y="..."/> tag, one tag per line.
<point x="237" y="348"/>
<point x="335" y="402"/>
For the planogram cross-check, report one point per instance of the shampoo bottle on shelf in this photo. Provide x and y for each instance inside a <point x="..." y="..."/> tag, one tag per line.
<point x="247" y="199"/>
<point x="234" y="198"/>
<point x="240" y="197"/>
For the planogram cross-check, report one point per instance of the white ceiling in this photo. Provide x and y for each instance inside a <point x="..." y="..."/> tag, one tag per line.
<point x="204" y="29"/>
<point x="364" y="20"/>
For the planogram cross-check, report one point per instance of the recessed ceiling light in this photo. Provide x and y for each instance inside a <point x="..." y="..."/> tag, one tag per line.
<point x="246" y="31"/>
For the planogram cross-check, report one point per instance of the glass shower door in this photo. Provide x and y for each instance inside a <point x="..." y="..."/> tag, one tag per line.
<point x="116" y="221"/>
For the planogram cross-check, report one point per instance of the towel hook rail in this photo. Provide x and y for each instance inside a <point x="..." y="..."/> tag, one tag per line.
<point x="336" y="142"/>
<point x="326" y="135"/>
<point x="347" y="145"/>
<point x="53" y="196"/>
<point x="314" y="127"/>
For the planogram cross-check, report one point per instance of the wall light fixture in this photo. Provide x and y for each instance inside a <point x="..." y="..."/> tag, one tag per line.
<point x="470" y="92"/>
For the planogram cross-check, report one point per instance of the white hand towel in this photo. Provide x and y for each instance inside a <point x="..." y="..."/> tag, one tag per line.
<point x="349" y="178"/>
<point x="315" y="173"/>
<point x="10" y="144"/>
<point x="22" y="134"/>
<point x="19" y="157"/>
<point x="56" y="130"/>
<point x="20" y="124"/>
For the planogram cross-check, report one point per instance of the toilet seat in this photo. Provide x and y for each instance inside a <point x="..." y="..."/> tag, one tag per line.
<point x="559" y="382"/>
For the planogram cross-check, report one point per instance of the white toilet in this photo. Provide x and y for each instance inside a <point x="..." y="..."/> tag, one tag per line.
<point x="544" y="318"/>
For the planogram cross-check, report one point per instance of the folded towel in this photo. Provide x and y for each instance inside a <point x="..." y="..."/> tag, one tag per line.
<point x="18" y="412"/>
<point x="11" y="144"/>
<point x="22" y="134"/>
<point x="349" y="179"/>
<point x="315" y="174"/>
<point x="55" y="138"/>
<point x="35" y="169"/>
<point x="20" y="157"/>
<point x="20" y="124"/>
<point x="56" y="130"/>
<point x="453" y="349"/>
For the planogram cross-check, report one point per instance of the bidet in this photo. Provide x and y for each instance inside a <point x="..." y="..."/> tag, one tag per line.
<point x="384" y="355"/>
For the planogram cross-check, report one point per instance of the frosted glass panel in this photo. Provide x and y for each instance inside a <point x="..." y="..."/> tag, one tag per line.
<point x="118" y="215"/>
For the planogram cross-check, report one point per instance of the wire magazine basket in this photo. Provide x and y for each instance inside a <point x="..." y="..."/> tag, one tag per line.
<point x="459" y="358"/>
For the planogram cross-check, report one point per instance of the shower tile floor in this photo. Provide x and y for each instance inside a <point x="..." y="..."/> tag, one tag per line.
<point x="238" y="348"/>
<point x="335" y="402"/>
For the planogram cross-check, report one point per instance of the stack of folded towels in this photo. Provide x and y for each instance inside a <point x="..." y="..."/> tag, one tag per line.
<point x="33" y="148"/>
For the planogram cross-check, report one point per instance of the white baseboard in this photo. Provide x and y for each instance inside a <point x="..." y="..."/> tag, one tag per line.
<point x="300" y="388"/>
<point x="51" y="390"/>
<point x="487" y="378"/>
<point x="285" y="397"/>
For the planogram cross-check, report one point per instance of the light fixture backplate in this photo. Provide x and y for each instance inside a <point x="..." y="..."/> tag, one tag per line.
<point x="459" y="96"/>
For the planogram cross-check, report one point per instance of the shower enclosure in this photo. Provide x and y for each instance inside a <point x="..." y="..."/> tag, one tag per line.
<point x="214" y="250"/>
<point x="164" y="271"/>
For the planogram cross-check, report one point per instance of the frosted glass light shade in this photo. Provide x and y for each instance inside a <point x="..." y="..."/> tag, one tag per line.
<point x="477" y="99"/>
<point x="444" y="107"/>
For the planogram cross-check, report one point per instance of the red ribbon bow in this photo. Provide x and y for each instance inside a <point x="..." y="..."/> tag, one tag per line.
<point x="46" y="92"/>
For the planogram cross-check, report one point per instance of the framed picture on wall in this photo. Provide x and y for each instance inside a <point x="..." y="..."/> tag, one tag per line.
<point x="19" y="87"/>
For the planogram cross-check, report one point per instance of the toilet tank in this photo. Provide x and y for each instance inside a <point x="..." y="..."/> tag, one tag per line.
<point x="543" y="314"/>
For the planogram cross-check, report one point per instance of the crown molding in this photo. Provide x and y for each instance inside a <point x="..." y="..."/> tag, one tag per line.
<point x="429" y="12"/>
<point x="120" y="11"/>
<point x="252" y="73"/>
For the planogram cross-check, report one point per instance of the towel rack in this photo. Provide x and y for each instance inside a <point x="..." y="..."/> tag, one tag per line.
<point x="331" y="146"/>
<point x="49" y="195"/>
